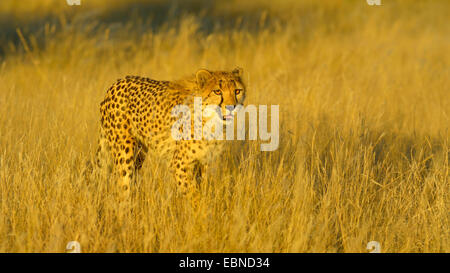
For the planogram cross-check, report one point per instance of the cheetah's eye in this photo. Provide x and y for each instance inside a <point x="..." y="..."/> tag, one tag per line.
<point x="237" y="91"/>
<point x="217" y="92"/>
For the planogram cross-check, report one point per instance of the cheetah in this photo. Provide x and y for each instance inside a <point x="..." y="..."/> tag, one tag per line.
<point x="136" y="116"/>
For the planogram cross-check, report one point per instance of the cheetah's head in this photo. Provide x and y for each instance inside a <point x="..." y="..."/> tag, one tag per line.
<point x="223" y="89"/>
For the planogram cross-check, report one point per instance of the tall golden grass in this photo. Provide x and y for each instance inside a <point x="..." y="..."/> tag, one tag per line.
<point x="364" y="105"/>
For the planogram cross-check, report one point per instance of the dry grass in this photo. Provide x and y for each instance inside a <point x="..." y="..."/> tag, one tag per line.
<point x="364" y="137"/>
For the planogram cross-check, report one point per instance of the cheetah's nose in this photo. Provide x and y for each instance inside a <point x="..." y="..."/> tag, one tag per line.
<point x="229" y="109"/>
<point x="228" y="112"/>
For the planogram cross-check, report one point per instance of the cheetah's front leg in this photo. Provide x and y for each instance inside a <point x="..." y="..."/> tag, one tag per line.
<point x="200" y="172"/>
<point x="186" y="170"/>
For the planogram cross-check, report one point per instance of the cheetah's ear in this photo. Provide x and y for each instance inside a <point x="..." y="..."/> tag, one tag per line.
<point x="202" y="77"/>
<point x="237" y="72"/>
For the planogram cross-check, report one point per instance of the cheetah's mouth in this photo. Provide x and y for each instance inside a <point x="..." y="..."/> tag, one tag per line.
<point x="227" y="117"/>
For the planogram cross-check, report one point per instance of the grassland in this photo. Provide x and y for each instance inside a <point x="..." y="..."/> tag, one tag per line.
<point x="364" y="125"/>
